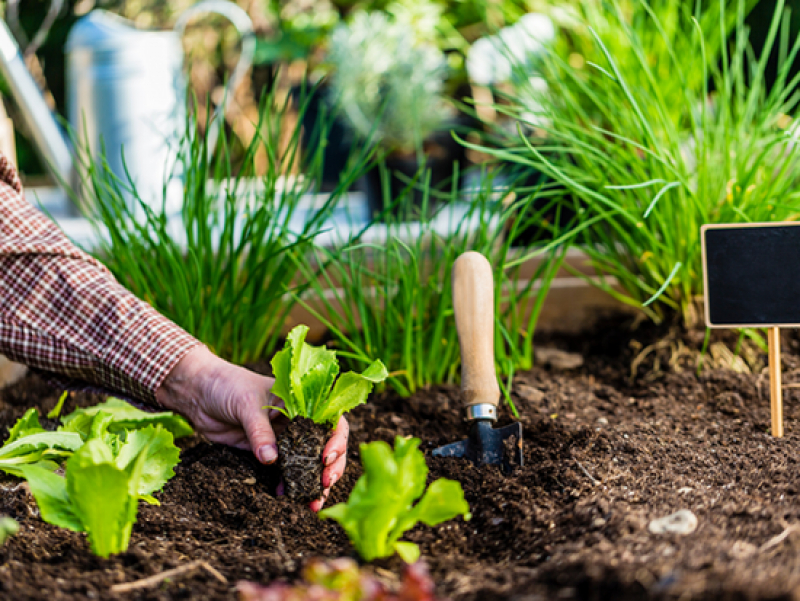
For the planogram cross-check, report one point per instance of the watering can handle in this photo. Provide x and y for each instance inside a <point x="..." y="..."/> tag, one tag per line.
<point x="12" y="19"/>
<point x="241" y="21"/>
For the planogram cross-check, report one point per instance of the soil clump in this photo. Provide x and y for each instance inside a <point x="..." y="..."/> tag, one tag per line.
<point x="300" y="448"/>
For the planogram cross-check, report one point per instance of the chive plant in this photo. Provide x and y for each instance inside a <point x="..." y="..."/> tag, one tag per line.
<point x="387" y="293"/>
<point x="224" y="272"/>
<point x="669" y="124"/>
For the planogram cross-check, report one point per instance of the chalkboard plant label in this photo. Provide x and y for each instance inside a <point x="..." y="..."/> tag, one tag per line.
<point x="751" y="277"/>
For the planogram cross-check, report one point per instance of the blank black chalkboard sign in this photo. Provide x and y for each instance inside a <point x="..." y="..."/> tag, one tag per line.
<point x="751" y="274"/>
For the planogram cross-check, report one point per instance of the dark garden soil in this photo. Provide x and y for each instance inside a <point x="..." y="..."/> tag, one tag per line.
<point x="604" y="456"/>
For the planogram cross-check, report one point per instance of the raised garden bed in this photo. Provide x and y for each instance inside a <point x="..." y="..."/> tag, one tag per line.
<point x="604" y="456"/>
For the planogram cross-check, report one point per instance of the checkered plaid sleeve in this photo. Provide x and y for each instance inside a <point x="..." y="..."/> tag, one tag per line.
<point x="63" y="313"/>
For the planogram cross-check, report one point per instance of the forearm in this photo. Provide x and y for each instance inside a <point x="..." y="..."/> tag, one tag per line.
<point x="62" y="312"/>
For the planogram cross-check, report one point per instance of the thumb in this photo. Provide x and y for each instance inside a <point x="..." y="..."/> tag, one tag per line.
<point x="259" y="432"/>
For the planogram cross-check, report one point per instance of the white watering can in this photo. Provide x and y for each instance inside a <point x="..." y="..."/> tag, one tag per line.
<point x="125" y="95"/>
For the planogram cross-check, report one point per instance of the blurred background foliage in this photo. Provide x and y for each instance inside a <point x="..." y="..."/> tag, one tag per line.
<point x="293" y="38"/>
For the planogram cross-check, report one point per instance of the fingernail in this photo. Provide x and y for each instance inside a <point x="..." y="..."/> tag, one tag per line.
<point x="331" y="458"/>
<point x="267" y="454"/>
<point x="334" y="478"/>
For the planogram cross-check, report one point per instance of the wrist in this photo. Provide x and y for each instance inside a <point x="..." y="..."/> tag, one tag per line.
<point x="184" y="384"/>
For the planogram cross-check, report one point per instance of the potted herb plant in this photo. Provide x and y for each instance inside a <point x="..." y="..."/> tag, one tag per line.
<point x="387" y="81"/>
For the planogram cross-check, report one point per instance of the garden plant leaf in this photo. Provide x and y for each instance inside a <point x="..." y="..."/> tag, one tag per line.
<point x="38" y="448"/>
<point x="161" y="456"/>
<point x="381" y="507"/>
<point x="27" y="424"/>
<point x="100" y="496"/>
<point x="127" y="417"/>
<point x="50" y="491"/>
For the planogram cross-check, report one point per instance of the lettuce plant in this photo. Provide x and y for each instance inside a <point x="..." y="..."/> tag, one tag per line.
<point x="304" y="380"/>
<point x="100" y="491"/>
<point x="381" y="507"/>
<point x="115" y="455"/>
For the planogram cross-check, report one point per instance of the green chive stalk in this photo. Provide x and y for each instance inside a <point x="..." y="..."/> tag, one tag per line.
<point x="390" y="297"/>
<point x="668" y="124"/>
<point x="224" y="273"/>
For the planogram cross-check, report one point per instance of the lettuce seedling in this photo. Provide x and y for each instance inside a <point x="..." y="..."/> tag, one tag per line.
<point x="304" y="380"/>
<point x="102" y="485"/>
<point x="314" y="400"/>
<point x="115" y="455"/>
<point x="381" y="507"/>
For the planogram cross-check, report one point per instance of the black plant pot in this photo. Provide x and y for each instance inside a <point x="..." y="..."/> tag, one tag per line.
<point x="408" y="179"/>
<point x="317" y="119"/>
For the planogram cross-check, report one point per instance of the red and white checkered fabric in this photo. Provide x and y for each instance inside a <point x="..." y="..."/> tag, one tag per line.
<point x="63" y="313"/>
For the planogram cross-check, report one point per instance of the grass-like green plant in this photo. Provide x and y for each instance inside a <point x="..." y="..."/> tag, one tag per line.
<point x="390" y="498"/>
<point x="669" y="125"/>
<point x="388" y="293"/>
<point x="304" y="380"/>
<point x="222" y="267"/>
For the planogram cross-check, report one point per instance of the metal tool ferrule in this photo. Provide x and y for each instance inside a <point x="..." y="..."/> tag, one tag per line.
<point x="482" y="411"/>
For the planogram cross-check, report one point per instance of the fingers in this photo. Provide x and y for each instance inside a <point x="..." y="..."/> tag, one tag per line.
<point x="332" y="473"/>
<point x="258" y="429"/>
<point x="337" y="445"/>
<point x="335" y="459"/>
<point x="315" y="506"/>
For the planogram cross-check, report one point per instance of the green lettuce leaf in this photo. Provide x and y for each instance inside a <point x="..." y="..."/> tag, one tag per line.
<point x="58" y="441"/>
<point x="126" y="417"/>
<point x="56" y="411"/>
<point x="381" y="507"/>
<point x="50" y="491"/>
<point x="350" y="391"/>
<point x="27" y="424"/>
<point x="161" y="456"/>
<point x="100" y="497"/>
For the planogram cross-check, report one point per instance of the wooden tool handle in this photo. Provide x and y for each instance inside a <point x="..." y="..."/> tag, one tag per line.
<point x="473" y="304"/>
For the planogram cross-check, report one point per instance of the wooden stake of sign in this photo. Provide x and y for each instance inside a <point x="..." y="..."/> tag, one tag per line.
<point x="775" y="390"/>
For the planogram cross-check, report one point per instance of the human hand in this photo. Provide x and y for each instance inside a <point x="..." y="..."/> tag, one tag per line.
<point x="226" y="403"/>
